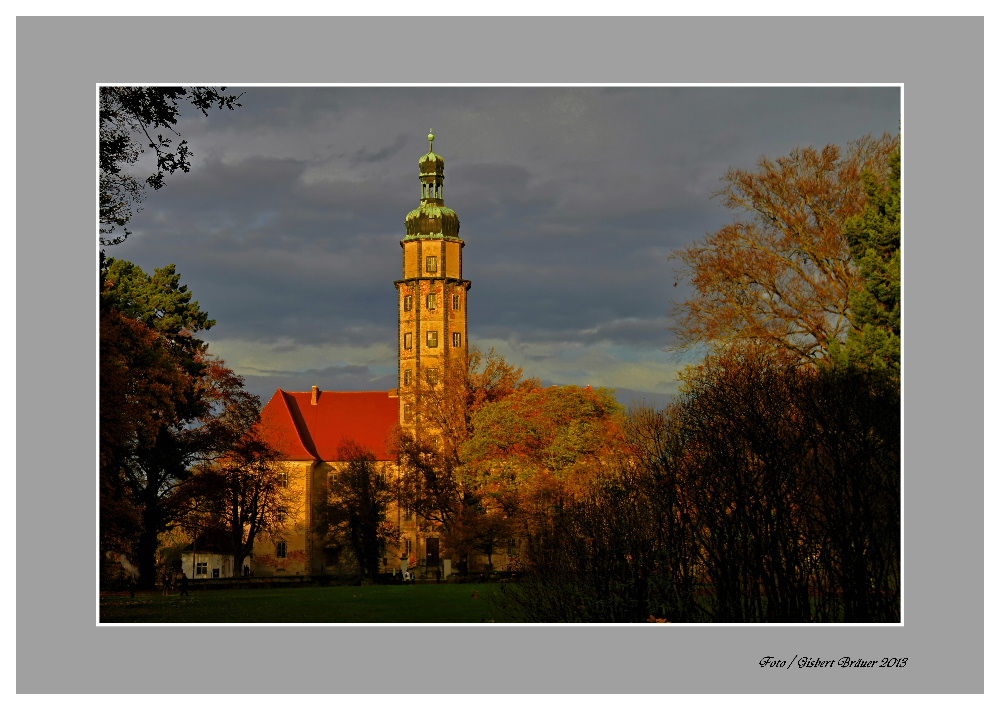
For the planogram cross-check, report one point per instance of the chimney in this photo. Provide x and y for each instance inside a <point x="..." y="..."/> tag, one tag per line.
<point x="315" y="395"/>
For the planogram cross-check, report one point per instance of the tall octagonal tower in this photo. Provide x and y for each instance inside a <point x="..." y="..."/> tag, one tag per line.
<point x="433" y="318"/>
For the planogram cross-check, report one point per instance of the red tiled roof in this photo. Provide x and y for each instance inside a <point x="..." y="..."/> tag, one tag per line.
<point x="303" y="431"/>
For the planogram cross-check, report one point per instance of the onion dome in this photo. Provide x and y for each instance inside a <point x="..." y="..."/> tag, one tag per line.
<point x="432" y="218"/>
<point x="432" y="163"/>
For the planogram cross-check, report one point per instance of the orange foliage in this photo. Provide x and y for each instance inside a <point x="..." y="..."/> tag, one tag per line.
<point x="782" y="274"/>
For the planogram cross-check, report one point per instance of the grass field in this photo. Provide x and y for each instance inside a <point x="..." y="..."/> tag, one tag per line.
<point x="394" y="604"/>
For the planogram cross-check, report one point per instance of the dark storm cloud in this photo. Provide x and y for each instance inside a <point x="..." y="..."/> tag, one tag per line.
<point x="365" y="155"/>
<point x="571" y="201"/>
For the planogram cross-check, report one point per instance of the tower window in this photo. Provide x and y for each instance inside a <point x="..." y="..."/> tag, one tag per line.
<point x="456" y="302"/>
<point x="432" y="301"/>
<point x="283" y="479"/>
<point x="456" y="339"/>
<point x="432" y="376"/>
<point x="432" y="265"/>
<point x="281" y="549"/>
<point x="407" y="413"/>
<point x="432" y="338"/>
<point x="408" y="377"/>
<point x="408" y="341"/>
<point x="407" y="303"/>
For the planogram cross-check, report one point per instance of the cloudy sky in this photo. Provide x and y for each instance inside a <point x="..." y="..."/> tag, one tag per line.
<point x="571" y="200"/>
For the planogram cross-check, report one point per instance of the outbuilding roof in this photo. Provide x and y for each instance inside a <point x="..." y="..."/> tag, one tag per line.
<point x="311" y="426"/>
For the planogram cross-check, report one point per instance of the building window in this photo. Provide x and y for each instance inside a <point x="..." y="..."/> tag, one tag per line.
<point x="456" y="302"/>
<point x="281" y="549"/>
<point x="201" y="569"/>
<point x="407" y="377"/>
<point x="408" y="341"/>
<point x="407" y="303"/>
<point x="407" y="515"/>
<point x="432" y="301"/>
<point x="283" y="479"/>
<point x="215" y="573"/>
<point x="432" y="265"/>
<point x="456" y="339"/>
<point x="408" y="548"/>
<point x="432" y="338"/>
<point x="432" y="376"/>
<point x="407" y="413"/>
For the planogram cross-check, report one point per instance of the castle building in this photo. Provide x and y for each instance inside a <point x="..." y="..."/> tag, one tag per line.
<point x="310" y="428"/>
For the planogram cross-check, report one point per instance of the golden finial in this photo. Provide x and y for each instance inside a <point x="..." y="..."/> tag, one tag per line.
<point x="430" y="137"/>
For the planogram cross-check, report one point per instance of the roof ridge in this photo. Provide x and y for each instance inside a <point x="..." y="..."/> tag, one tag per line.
<point x="323" y="391"/>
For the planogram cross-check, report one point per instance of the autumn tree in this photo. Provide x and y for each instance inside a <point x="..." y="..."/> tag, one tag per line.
<point x="141" y="386"/>
<point x="238" y="490"/>
<point x="472" y="518"/>
<point x="430" y="484"/>
<point x="473" y="380"/>
<point x="535" y="450"/>
<point x="151" y="361"/>
<point x="768" y="492"/>
<point x="131" y="120"/>
<point x="554" y="429"/>
<point x="356" y="512"/>
<point x="431" y="480"/>
<point x="782" y="273"/>
<point x="485" y="526"/>
<point x="165" y="406"/>
<point x="874" y="240"/>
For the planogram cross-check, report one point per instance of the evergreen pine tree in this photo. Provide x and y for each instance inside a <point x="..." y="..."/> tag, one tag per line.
<point x="874" y="241"/>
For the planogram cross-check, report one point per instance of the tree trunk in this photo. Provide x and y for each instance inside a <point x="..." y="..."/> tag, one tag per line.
<point x="146" y="553"/>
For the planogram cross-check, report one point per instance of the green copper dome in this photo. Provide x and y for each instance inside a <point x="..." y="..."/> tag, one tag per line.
<point x="432" y="164"/>
<point x="432" y="218"/>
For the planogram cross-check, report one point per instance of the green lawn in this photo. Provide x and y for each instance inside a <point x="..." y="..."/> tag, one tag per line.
<point x="395" y="604"/>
